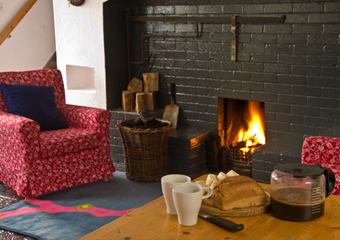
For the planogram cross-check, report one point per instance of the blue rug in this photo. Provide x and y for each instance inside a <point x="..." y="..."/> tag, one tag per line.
<point x="74" y="212"/>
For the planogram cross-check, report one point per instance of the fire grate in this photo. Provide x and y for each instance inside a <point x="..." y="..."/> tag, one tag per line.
<point x="234" y="157"/>
<point x="240" y="160"/>
<point x="236" y="154"/>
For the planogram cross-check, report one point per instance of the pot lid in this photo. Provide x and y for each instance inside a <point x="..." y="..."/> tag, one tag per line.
<point x="300" y="170"/>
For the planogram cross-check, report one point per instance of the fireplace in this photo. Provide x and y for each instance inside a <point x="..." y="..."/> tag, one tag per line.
<point x="291" y="68"/>
<point x="244" y="123"/>
<point x="241" y="130"/>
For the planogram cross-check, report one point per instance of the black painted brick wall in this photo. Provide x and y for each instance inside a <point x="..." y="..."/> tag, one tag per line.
<point x="293" y="67"/>
<point x="187" y="151"/>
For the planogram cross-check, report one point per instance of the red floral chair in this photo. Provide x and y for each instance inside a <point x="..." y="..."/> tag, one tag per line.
<point x="324" y="151"/>
<point x="35" y="162"/>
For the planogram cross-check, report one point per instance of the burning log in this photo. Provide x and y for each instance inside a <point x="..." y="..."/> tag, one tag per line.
<point x="241" y="144"/>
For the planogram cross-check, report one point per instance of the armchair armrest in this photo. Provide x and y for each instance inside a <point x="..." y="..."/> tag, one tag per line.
<point x="17" y="126"/>
<point x="19" y="139"/>
<point x="85" y="117"/>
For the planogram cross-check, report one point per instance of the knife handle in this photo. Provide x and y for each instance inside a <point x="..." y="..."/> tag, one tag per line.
<point x="224" y="223"/>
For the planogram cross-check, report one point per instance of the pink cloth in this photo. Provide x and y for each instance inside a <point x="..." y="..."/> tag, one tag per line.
<point x="324" y="151"/>
<point x="34" y="162"/>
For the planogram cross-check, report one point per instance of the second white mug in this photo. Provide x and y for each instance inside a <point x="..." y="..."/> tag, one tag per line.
<point x="168" y="182"/>
<point x="188" y="199"/>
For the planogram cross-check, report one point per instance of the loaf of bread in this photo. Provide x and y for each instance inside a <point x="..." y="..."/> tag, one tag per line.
<point x="237" y="192"/>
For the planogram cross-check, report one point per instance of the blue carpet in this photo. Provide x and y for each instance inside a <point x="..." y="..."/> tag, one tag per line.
<point x="74" y="212"/>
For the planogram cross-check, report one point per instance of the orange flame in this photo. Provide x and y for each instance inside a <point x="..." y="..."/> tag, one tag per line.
<point x="255" y="133"/>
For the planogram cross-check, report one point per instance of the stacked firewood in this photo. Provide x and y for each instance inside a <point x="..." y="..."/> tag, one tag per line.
<point x="140" y="95"/>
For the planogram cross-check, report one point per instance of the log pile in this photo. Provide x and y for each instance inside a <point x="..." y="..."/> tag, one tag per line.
<point x="140" y="95"/>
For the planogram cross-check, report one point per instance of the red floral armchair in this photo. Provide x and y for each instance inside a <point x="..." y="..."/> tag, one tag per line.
<point x="35" y="162"/>
<point x="324" y="151"/>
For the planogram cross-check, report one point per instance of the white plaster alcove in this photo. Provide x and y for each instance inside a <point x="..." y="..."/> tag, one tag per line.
<point x="80" y="78"/>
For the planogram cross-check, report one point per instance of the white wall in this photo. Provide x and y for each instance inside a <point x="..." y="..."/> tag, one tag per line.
<point x="80" y="46"/>
<point x="32" y="43"/>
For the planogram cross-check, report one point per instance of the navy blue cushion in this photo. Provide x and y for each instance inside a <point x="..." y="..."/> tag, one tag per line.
<point x="34" y="102"/>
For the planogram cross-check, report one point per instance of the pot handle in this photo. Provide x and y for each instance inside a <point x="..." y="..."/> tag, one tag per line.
<point x="330" y="179"/>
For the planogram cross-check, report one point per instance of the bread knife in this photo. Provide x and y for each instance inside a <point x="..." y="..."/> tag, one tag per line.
<point x="221" y="222"/>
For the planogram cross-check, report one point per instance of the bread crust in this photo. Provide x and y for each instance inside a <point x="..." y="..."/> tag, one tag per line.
<point x="238" y="192"/>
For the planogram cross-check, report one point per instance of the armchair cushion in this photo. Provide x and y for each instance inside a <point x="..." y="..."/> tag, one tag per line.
<point x="54" y="143"/>
<point x="34" y="102"/>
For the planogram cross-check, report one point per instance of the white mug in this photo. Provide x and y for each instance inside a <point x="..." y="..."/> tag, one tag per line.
<point x="188" y="199"/>
<point x="168" y="182"/>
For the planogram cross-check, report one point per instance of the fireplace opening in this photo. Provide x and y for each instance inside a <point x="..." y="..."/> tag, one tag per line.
<point x="244" y="124"/>
<point x="241" y="129"/>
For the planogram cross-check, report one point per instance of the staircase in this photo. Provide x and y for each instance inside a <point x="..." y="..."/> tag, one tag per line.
<point x="52" y="62"/>
<point x="32" y="42"/>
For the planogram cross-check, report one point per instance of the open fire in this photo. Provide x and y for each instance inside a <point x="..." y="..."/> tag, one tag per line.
<point x="246" y="129"/>
<point x="252" y="134"/>
<point x="241" y="130"/>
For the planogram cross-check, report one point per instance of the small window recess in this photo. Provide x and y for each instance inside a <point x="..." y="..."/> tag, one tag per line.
<point x="80" y="78"/>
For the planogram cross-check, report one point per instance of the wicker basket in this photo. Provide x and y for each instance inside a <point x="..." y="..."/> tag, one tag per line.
<point x="145" y="151"/>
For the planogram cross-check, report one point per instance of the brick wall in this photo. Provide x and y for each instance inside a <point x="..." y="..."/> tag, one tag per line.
<point x="293" y="67"/>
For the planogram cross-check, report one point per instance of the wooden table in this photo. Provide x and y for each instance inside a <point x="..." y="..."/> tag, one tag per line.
<point x="151" y="221"/>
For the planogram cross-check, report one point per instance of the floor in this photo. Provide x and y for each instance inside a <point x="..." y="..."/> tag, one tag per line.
<point x="8" y="197"/>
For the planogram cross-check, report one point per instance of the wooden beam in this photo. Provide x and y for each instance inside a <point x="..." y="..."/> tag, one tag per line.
<point x="16" y="20"/>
